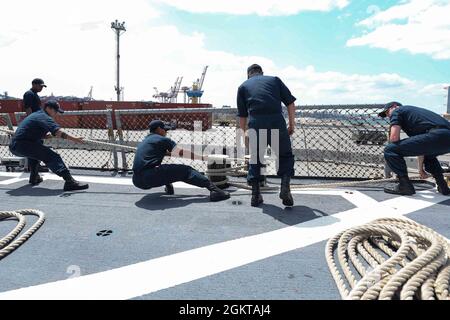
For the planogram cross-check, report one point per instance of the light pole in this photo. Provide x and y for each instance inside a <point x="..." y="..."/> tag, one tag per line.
<point x="119" y="29"/>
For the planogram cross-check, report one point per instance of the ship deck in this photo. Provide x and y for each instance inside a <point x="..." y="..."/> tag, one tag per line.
<point x="183" y="246"/>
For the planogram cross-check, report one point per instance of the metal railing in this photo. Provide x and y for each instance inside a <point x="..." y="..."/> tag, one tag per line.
<point x="330" y="141"/>
<point x="344" y="141"/>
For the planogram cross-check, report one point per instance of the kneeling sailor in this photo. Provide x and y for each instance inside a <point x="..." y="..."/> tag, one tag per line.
<point x="148" y="172"/>
<point x="429" y="136"/>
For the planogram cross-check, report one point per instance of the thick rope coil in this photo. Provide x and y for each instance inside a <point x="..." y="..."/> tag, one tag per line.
<point x="388" y="259"/>
<point x="7" y="243"/>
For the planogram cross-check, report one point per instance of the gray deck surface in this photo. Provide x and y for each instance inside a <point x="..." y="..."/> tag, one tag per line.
<point x="148" y="224"/>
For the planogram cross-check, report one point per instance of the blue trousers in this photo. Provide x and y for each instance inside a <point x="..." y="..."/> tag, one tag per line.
<point x="431" y="144"/>
<point x="169" y="173"/>
<point x="262" y="128"/>
<point x="35" y="152"/>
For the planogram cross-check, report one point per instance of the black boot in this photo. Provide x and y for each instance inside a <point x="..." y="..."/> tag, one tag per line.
<point x="71" y="184"/>
<point x="169" y="189"/>
<point x="217" y="194"/>
<point x="35" y="178"/>
<point x="257" y="198"/>
<point x="404" y="187"/>
<point x="442" y="185"/>
<point x="285" y="192"/>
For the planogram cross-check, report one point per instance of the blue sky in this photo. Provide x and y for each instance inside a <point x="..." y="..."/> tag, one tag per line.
<point x="308" y="38"/>
<point x="326" y="51"/>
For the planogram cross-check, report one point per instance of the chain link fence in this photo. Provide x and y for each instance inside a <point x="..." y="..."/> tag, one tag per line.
<point x="340" y="141"/>
<point x="329" y="141"/>
<point x="89" y="124"/>
<point x="192" y="127"/>
<point x="6" y="124"/>
<point x="332" y="141"/>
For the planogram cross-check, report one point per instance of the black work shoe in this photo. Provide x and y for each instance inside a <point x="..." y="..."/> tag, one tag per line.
<point x="403" y="188"/>
<point x="257" y="198"/>
<point x="442" y="185"/>
<point x="444" y="190"/>
<point x="73" y="185"/>
<point x="285" y="192"/>
<point x="35" y="180"/>
<point x="169" y="189"/>
<point x="217" y="194"/>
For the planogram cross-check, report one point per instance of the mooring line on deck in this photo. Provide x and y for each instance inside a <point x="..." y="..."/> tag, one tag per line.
<point x="9" y="243"/>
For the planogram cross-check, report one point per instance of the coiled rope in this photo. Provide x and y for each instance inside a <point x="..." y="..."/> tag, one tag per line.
<point x="388" y="259"/>
<point x="7" y="243"/>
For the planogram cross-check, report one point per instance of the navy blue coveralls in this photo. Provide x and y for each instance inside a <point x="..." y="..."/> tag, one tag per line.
<point x="148" y="172"/>
<point x="429" y="136"/>
<point x="27" y="142"/>
<point x="259" y="98"/>
<point x="31" y="100"/>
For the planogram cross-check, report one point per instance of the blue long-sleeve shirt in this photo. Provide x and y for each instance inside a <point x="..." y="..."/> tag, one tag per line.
<point x="262" y="95"/>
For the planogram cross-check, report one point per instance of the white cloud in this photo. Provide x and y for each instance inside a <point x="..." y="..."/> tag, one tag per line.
<point x="313" y="87"/>
<point x="75" y="53"/>
<point x="259" y="7"/>
<point x="418" y="26"/>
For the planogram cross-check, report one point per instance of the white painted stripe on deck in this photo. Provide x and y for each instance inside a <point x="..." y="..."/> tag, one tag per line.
<point x="12" y="180"/>
<point x="12" y="174"/>
<point x="169" y="271"/>
<point x="123" y="181"/>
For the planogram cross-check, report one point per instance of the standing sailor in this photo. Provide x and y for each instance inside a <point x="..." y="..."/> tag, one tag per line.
<point x="148" y="172"/>
<point x="32" y="103"/>
<point x="429" y="136"/>
<point x="259" y="106"/>
<point x="27" y="142"/>
<point x="31" y="100"/>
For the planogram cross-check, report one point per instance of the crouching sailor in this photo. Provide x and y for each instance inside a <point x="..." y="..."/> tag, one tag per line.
<point x="148" y="172"/>
<point x="429" y="135"/>
<point x="27" y="142"/>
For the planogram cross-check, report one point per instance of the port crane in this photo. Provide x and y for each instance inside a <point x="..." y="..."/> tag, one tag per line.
<point x="171" y="96"/>
<point x="193" y="94"/>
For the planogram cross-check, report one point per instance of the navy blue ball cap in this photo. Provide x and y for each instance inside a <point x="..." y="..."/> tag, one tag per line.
<point x="389" y="105"/>
<point x="54" y="105"/>
<point x="38" y="81"/>
<point x="155" y="124"/>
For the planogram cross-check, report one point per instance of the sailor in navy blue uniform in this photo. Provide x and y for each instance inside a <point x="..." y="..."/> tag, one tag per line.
<point x="148" y="172"/>
<point x="429" y="136"/>
<point x="31" y="100"/>
<point x="27" y="142"/>
<point x="32" y="103"/>
<point x="259" y="101"/>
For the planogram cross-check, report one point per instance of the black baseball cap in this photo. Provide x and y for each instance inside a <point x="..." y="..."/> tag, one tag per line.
<point x="154" y="124"/>
<point x="38" y="81"/>
<point x="254" y="68"/>
<point x="54" y="105"/>
<point x="389" y="105"/>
